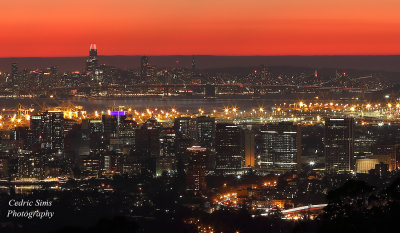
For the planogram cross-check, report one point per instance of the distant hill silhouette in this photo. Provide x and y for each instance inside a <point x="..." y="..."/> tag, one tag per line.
<point x="376" y="63"/>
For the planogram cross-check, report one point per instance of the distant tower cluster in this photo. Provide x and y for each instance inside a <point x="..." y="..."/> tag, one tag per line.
<point x="144" y="65"/>
<point x="92" y="62"/>
<point x="193" y="63"/>
<point x="14" y="73"/>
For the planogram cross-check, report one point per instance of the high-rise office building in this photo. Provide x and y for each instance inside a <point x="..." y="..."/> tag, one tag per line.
<point x="147" y="141"/>
<point x="53" y="131"/>
<point x="96" y="126"/>
<point x="200" y="130"/>
<point x="30" y="166"/>
<point x="20" y="136"/>
<point x="126" y="135"/>
<point x="249" y="148"/>
<point x="112" y="123"/>
<point x="144" y="65"/>
<point x="229" y="149"/>
<point x="91" y="165"/>
<point x="205" y="131"/>
<point x="181" y="144"/>
<point x="281" y="146"/>
<point x="339" y="145"/>
<point x="193" y="63"/>
<point x="47" y="130"/>
<point x="185" y="127"/>
<point x="35" y="130"/>
<point x="196" y="174"/>
<point x="92" y="62"/>
<point x="167" y="159"/>
<point x="95" y="135"/>
<point x="14" y="74"/>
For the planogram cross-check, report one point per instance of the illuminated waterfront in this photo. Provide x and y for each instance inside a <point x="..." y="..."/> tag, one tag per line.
<point x="190" y="104"/>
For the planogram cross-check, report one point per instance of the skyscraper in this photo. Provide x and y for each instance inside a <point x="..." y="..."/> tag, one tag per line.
<point x="339" y="145"/>
<point x="167" y="159"/>
<point x="53" y="130"/>
<point x="97" y="141"/>
<point x="36" y="131"/>
<point x="193" y="63"/>
<point x="196" y="177"/>
<point x="126" y="134"/>
<point x="144" y="64"/>
<point x="14" y="74"/>
<point x="92" y="62"/>
<point x="110" y="126"/>
<point x="201" y="130"/>
<point x="249" y="148"/>
<point x="205" y="131"/>
<point x="48" y="130"/>
<point x="281" y="146"/>
<point x="30" y="166"/>
<point x="20" y="137"/>
<point x="147" y="139"/>
<point x="228" y="148"/>
<point x="185" y="127"/>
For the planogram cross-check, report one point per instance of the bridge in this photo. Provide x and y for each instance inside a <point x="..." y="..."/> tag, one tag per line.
<point x="194" y="85"/>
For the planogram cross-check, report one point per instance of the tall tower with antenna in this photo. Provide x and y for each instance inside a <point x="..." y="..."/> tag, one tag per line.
<point x="144" y="66"/>
<point x="92" y="62"/>
<point x="193" y="63"/>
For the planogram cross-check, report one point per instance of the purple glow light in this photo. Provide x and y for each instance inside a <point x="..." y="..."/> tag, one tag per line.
<point x="117" y="113"/>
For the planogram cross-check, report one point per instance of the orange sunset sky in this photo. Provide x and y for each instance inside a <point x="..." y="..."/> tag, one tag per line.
<point x="218" y="27"/>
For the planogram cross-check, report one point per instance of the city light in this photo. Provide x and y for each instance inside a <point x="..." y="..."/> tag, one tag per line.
<point x="259" y="144"/>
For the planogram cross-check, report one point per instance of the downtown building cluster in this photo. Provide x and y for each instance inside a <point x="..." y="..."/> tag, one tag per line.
<point x="98" y="80"/>
<point x="54" y="146"/>
<point x="115" y="144"/>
